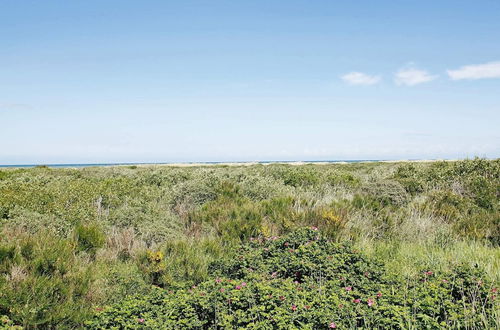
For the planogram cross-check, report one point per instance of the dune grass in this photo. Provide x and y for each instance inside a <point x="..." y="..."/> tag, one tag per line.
<point x="73" y="241"/>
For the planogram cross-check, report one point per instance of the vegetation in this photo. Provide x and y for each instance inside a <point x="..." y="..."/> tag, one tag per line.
<point x="374" y="245"/>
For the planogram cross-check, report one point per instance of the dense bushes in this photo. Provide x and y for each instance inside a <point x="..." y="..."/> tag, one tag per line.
<point x="43" y="282"/>
<point x="305" y="281"/>
<point x="73" y="241"/>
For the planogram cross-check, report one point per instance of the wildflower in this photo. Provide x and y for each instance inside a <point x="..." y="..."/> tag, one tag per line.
<point x="294" y="308"/>
<point x="222" y="290"/>
<point x="445" y="281"/>
<point x="348" y="288"/>
<point x="286" y="244"/>
<point x="333" y="325"/>
<point x="494" y="290"/>
<point x="379" y="294"/>
<point x="140" y="320"/>
<point x="274" y="274"/>
<point x="218" y="280"/>
<point x="370" y="302"/>
<point x="238" y="287"/>
<point x="193" y="287"/>
<point x="357" y="301"/>
<point x="429" y="273"/>
<point x="282" y="298"/>
<point x="291" y="250"/>
<point x="98" y="309"/>
<point x="314" y="228"/>
<point x="244" y="284"/>
<point x="307" y="306"/>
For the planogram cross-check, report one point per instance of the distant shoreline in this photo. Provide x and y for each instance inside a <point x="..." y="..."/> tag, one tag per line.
<point x="243" y="163"/>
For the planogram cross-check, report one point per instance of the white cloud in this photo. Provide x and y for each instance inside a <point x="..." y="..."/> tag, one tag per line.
<point x="412" y="77"/>
<point x="360" y="78"/>
<point x="476" y="71"/>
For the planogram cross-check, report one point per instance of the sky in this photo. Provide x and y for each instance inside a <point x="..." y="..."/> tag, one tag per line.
<point x="183" y="81"/>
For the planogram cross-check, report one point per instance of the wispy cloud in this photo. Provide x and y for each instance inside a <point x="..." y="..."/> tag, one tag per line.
<point x="412" y="76"/>
<point x="360" y="78"/>
<point x="476" y="71"/>
<point x="14" y="107"/>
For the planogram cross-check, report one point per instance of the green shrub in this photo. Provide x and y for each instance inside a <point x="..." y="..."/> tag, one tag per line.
<point x="44" y="283"/>
<point x="89" y="238"/>
<point x="304" y="281"/>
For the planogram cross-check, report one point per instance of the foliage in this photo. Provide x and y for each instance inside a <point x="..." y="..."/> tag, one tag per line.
<point x="75" y="241"/>
<point x="304" y="281"/>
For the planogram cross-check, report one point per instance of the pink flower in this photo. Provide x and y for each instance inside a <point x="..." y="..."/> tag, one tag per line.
<point x="274" y="274"/>
<point x="98" y="309"/>
<point x="494" y="290"/>
<point x="294" y="308"/>
<point x="314" y="228"/>
<point x="370" y="302"/>
<point x="428" y="273"/>
<point x="357" y="301"/>
<point x="140" y="320"/>
<point x="333" y="325"/>
<point x="244" y="284"/>
<point x="218" y="280"/>
<point x="286" y="244"/>
<point x="445" y="281"/>
<point x="379" y="294"/>
<point x="282" y="298"/>
<point x="238" y="287"/>
<point x="348" y="288"/>
<point x="222" y="290"/>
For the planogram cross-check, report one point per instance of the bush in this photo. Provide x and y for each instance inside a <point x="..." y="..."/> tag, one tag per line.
<point x="42" y="281"/>
<point x="304" y="281"/>
<point x="89" y="238"/>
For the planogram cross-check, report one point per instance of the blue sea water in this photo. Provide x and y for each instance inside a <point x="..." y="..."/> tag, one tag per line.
<point x="201" y="163"/>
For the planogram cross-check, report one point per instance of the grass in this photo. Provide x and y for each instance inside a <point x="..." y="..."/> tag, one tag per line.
<point x="76" y="240"/>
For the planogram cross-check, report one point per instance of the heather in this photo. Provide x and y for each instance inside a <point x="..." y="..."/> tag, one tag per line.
<point x="373" y="245"/>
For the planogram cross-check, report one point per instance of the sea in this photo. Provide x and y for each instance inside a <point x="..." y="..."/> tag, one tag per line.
<point x="186" y="163"/>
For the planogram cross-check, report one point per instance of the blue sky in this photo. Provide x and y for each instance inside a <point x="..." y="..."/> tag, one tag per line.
<point x="168" y="81"/>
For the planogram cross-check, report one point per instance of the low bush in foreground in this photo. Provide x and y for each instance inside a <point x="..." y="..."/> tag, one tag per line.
<point x="305" y="281"/>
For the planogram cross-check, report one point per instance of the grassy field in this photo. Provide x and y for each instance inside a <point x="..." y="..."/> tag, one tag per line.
<point x="374" y="245"/>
